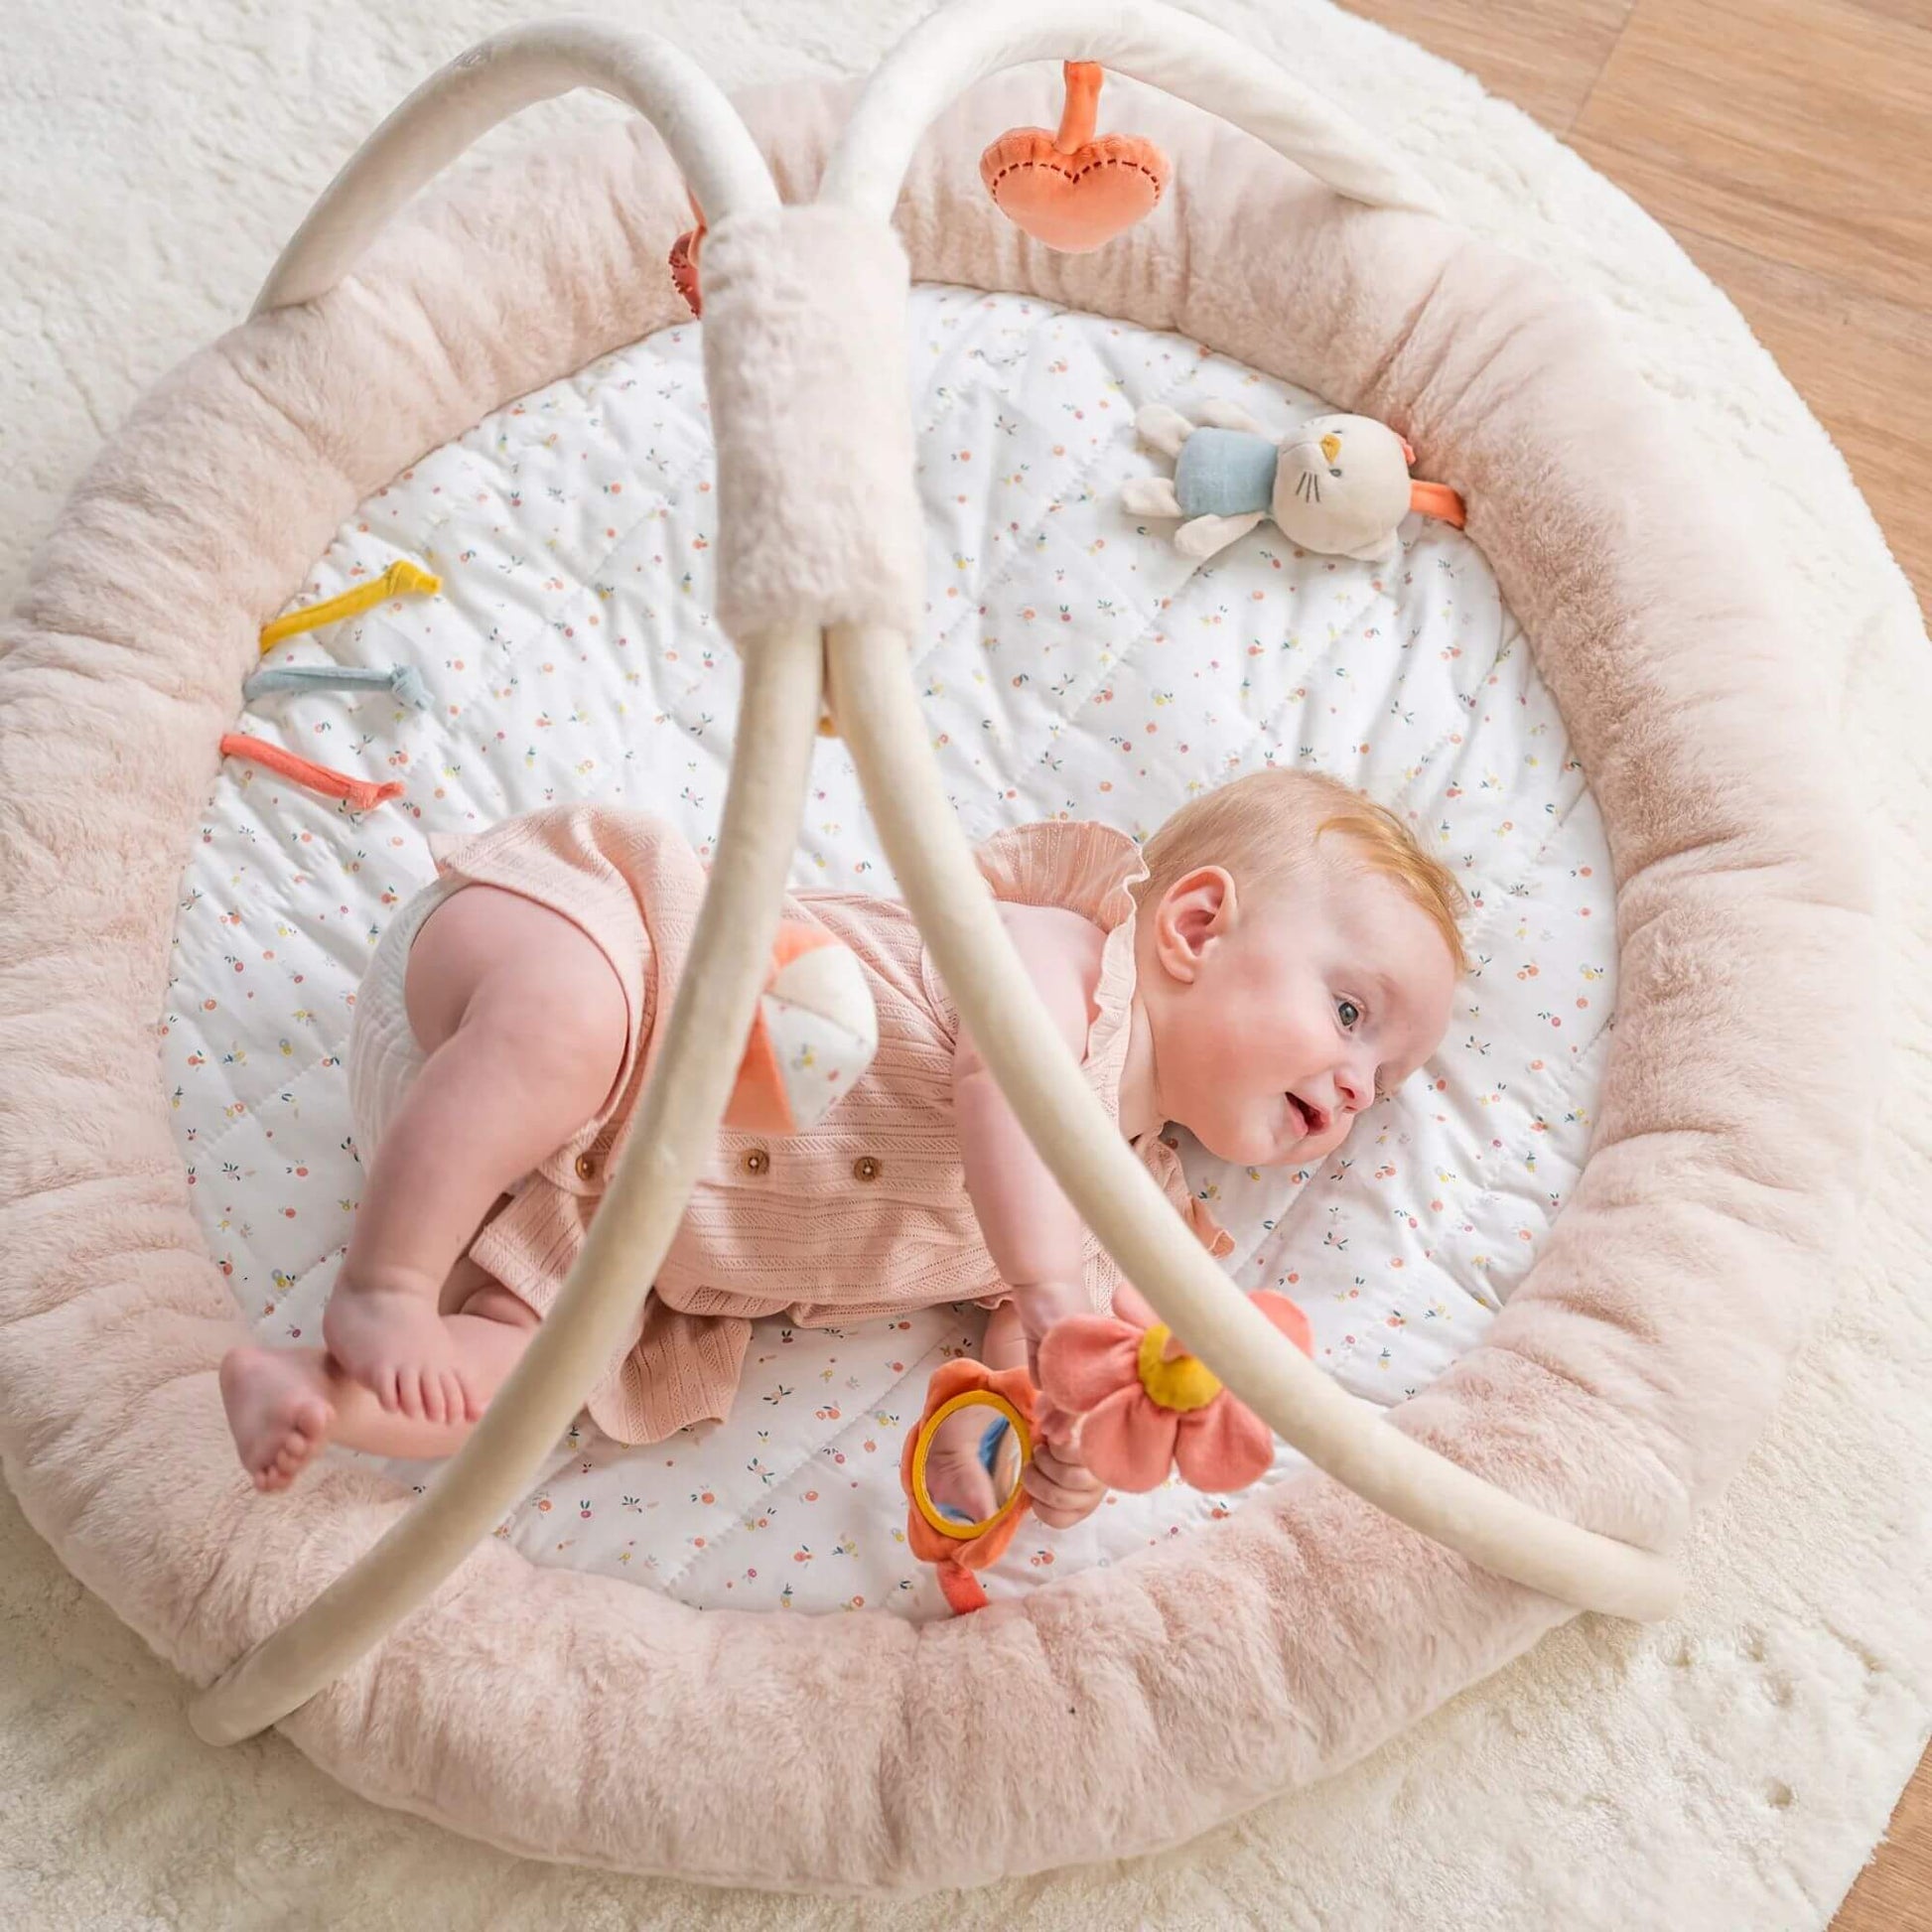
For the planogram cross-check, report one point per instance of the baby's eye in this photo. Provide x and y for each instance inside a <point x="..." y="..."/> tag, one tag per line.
<point x="1350" y="1014"/>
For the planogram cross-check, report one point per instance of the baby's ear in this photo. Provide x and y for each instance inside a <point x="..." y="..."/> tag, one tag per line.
<point x="1194" y="911"/>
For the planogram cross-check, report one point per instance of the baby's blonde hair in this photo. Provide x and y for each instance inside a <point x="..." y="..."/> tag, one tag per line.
<point x="1265" y="826"/>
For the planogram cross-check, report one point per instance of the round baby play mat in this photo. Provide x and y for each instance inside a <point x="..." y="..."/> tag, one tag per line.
<point x="506" y="389"/>
<point x="1073" y="664"/>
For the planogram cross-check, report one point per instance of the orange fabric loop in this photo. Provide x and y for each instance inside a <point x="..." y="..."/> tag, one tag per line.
<point x="358" y="794"/>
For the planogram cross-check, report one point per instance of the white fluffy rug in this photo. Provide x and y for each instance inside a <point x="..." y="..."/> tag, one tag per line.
<point x="1731" y="1771"/>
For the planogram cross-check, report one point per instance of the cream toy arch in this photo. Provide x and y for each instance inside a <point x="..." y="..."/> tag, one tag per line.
<point x="1583" y="1401"/>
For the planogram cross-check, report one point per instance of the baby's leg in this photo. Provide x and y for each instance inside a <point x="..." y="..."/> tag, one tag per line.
<point x="525" y="1022"/>
<point x="284" y="1404"/>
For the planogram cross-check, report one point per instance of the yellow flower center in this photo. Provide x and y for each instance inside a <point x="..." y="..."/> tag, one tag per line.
<point x="1183" y="1384"/>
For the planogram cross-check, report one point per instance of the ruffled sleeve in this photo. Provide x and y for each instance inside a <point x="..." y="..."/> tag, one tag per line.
<point x="1088" y="868"/>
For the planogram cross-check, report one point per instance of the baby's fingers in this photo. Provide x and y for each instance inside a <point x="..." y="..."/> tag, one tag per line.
<point x="1064" y="1516"/>
<point x="1055" y="1463"/>
<point x="1062" y="1519"/>
<point x="1062" y="1493"/>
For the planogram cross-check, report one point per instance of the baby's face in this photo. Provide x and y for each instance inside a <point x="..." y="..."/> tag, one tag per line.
<point x="1331" y="990"/>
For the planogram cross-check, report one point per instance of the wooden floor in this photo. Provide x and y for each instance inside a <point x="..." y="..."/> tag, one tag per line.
<point x="1787" y="145"/>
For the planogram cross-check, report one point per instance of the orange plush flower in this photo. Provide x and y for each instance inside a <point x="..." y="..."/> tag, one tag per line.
<point x="1146" y="1405"/>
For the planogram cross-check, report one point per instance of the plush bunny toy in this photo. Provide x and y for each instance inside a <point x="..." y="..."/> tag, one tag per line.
<point x="1336" y="485"/>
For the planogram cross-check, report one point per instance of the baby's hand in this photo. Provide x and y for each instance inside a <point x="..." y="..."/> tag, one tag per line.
<point x="1064" y="1490"/>
<point x="1039" y="1305"/>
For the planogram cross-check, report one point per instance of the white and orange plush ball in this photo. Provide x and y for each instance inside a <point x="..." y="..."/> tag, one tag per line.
<point x="814" y="1033"/>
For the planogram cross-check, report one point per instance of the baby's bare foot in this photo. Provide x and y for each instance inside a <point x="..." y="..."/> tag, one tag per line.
<point x="277" y="1411"/>
<point x="394" y="1342"/>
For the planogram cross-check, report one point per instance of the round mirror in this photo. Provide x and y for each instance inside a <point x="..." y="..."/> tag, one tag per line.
<point x="967" y="1464"/>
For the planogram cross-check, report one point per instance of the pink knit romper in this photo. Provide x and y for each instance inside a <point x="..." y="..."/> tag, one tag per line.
<point x="867" y="1214"/>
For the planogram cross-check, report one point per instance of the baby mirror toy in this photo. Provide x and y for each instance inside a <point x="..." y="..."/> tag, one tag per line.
<point x="1123" y="1385"/>
<point x="962" y="1470"/>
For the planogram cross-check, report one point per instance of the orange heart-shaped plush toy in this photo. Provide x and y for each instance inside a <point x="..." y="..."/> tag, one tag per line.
<point x="684" y="260"/>
<point x="1069" y="190"/>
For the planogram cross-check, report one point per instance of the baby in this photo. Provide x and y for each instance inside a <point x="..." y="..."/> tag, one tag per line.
<point x="1280" y="956"/>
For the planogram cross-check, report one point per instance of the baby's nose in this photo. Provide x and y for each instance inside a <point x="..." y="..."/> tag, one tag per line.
<point x="1354" y="1090"/>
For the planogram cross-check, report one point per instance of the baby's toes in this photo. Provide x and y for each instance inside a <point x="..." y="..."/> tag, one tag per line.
<point x="409" y="1392"/>
<point x="423" y="1381"/>
<point x="456" y="1399"/>
<point x="473" y="1404"/>
<point x="312" y="1421"/>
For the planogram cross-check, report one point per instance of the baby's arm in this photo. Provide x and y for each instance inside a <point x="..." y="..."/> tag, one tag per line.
<point x="1031" y="1231"/>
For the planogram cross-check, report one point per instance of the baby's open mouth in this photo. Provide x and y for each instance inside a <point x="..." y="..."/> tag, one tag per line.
<point x="1314" y="1120"/>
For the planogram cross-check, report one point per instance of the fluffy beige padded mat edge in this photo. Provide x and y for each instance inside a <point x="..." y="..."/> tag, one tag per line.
<point x="154" y="161"/>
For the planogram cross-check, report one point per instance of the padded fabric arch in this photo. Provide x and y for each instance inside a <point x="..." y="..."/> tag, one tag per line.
<point x="576" y="1716"/>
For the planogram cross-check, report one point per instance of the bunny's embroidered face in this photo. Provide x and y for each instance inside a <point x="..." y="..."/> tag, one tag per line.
<point x="1341" y="485"/>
